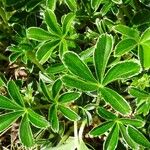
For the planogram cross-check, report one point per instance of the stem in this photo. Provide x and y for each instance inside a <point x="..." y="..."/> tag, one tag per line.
<point x="81" y="129"/>
<point x="76" y="134"/>
<point x="32" y="57"/>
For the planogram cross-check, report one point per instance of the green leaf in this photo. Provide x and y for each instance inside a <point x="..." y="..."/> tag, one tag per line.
<point x="138" y="137"/>
<point x="144" y="55"/>
<point x="25" y="132"/>
<point x="68" y="97"/>
<point x="45" y="91"/>
<point x="8" y="119"/>
<point x="63" y="47"/>
<point x="101" y="129"/>
<point x="117" y="1"/>
<point x="112" y="138"/>
<point x="67" y="22"/>
<point x="53" y="118"/>
<point x="125" y="46"/>
<point x="45" y="50"/>
<point x="79" y="83"/>
<point x="56" y="68"/>
<point x="101" y="54"/>
<point x="122" y="70"/>
<point x="145" y="37"/>
<point x="51" y="21"/>
<point x="134" y="122"/>
<point x="106" y="7"/>
<point x="116" y="101"/>
<point x="138" y="93"/>
<point x="51" y="4"/>
<point x="56" y="87"/>
<point x="127" y="31"/>
<point x="38" y="34"/>
<point x="14" y="93"/>
<point x="14" y="56"/>
<point x="68" y="113"/>
<point x="37" y="120"/>
<point x="77" y="66"/>
<point x="8" y="104"/>
<point x="71" y="4"/>
<point x="95" y="4"/>
<point x="106" y="114"/>
<point x="143" y="108"/>
<point x="126" y="137"/>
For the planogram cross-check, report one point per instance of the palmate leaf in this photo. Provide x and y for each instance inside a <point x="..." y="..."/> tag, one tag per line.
<point x="102" y="112"/>
<point x="125" y="46"/>
<point x="144" y="107"/>
<point x="37" y="120"/>
<point x="101" y="129"/>
<point x="38" y="34"/>
<point x="67" y="22"/>
<point x="45" y="90"/>
<point x="53" y="118"/>
<point x="122" y="70"/>
<point x="14" y="93"/>
<point x="106" y="7"/>
<point x="95" y="4"/>
<point x="45" y="50"/>
<point x="25" y="132"/>
<point x="63" y="47"/>
<point x="145" y="37"/>
<point x="117" y="1"/>
<point x="56" y="68"/>
<point x="78" y="67"/>
<point x="56" y="87"/>
<point x="78" y="83"/>
<point x="52" y="23"/>
<point x="71" y="4"/>
<point x="126" y="137"/>
<point x="51" y="4"/>
<point x="138" y="137"/>
<point x="112" y="138"/>
<point x="68" y="97"/>
<point x="8" y="119"/>
<point x="8" y="104"/>
<point x="127" y="31"/>
<point x="101" y="54"/>
<point x="144" y="54"/>
<point x="14" y="56"/>
<point x="68" y="113"/>
<point x="134" y="122"/>
<point x="116" y="101"/>
<point x="138" y="93"/>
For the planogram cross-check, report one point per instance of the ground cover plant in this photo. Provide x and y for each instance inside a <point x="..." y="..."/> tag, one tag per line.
<point x="75" y="74"/>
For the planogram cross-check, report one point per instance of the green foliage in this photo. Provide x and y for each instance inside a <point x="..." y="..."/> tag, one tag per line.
<point x="75" y="74"/>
